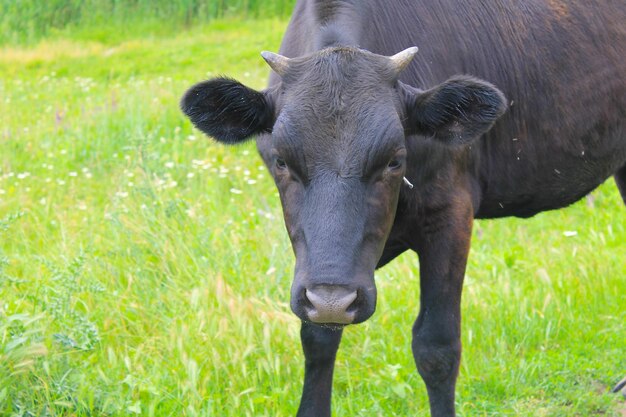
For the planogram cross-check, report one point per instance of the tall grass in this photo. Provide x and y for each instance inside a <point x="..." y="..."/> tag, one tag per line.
<point x="30" y="20"/>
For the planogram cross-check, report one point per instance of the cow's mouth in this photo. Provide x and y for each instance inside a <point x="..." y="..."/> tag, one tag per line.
<point x="330" y="326"/>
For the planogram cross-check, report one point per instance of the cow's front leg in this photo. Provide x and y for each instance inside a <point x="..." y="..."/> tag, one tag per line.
<point x="443" y="247"/>
<point x="320" y="346"/>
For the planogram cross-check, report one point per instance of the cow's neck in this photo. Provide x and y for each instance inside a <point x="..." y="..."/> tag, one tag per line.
<point x="337" y="22"/>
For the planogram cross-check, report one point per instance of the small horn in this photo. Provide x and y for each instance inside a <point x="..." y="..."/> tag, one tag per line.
<point x="404" y="58"/>
<point x="278" y="63"/>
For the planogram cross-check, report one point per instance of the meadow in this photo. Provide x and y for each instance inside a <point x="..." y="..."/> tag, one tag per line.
<point x="145" y="270"/>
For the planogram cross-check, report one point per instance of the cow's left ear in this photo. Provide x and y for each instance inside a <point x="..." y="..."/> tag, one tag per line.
<point x="455" y="112"/>
<point x="227" y="110"/>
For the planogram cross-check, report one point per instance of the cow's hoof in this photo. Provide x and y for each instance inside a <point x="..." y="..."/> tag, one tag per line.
<point x="620" y="387"/>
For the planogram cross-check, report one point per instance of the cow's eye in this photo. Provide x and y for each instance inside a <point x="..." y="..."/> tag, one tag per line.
<point x="395" y="163"/>
<point x="280" y="163"/>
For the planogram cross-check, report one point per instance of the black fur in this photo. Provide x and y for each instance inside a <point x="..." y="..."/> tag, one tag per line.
<point x="349" y="128"/>
<point x="455" y="112"/>
<point x="227" y="110"/>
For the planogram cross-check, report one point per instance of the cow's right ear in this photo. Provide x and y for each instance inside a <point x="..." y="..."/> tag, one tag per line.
<point x="454" y="112"/>
<point x="227" y="110"/>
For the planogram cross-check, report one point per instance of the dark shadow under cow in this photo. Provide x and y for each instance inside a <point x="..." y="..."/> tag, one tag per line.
<point x="347" y="122"/>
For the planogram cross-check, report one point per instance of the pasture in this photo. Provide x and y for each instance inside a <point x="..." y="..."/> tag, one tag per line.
<point x="146" y="271"/>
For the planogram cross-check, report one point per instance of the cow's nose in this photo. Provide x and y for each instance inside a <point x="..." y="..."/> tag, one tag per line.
<point x="331" y="304"/>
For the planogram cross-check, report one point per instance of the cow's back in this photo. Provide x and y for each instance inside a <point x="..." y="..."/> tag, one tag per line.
<point x="561" y="64"/>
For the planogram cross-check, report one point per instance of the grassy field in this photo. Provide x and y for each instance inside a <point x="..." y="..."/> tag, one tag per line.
<point x="26" y="21"/>
<point x="145" y="270"/>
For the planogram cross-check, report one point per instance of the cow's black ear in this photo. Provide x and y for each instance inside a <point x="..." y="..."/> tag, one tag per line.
<point x="455" y="112"/>
<point x="227" y="110"/>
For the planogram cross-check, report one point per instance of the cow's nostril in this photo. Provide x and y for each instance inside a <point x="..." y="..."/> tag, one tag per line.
<point x="354" y="305"/>
<point x="331" y="304"/>
<point x="304" y="299"/>
<point x="329" y="299"/>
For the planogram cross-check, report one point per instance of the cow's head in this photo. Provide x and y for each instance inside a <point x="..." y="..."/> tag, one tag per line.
<point x="333" y="134"/>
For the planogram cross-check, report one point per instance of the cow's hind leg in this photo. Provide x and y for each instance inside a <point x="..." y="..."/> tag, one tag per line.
<point x="620" y="180"/>
<point x="620" y="387"/>
<point x="320" y="346"/>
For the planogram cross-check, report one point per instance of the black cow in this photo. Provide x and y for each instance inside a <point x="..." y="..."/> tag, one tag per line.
<point x="374" y="155"/>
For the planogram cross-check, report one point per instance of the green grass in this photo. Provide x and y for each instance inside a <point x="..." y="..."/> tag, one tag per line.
<point x="145" y="270"/>
<point x="26" y="21"/>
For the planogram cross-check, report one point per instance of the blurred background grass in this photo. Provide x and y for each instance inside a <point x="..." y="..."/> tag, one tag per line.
<point x="26" y="21"/>
<point x="145" y="270"/>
